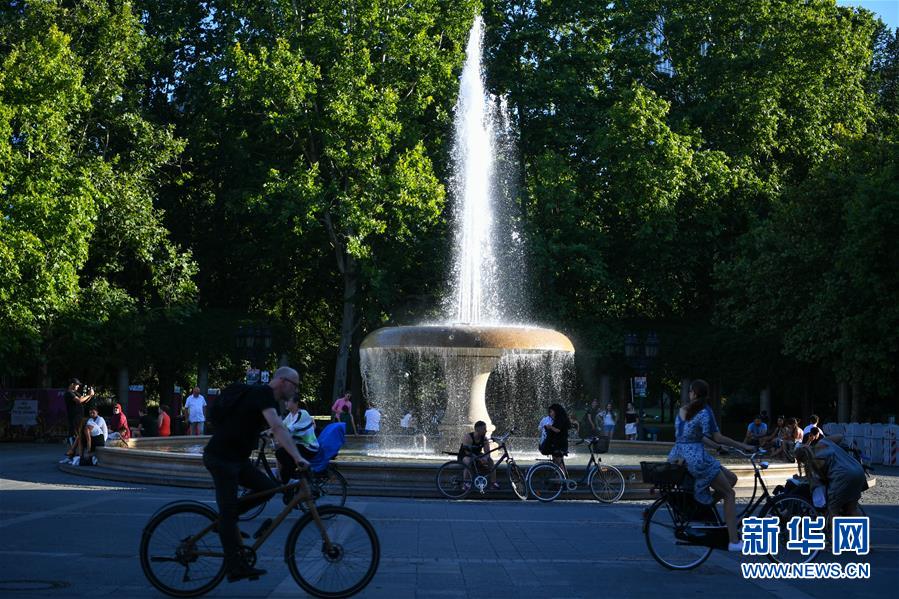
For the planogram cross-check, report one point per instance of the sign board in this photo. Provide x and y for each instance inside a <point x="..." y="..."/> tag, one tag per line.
<point x="266" y="376"/>
<point x="24" y="413"/>
<point x="639" y="386"/>
<point x="253" y="375"/>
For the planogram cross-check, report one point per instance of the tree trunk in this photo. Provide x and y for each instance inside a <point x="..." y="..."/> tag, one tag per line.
<point x="123" y="388"/>
<point x="765" y="404"/>
<point x="347" y="326"/>
<point x="715" y="400"/>
<point x="857" y="398"/>
<point x="203" y="377"/>
<point x="843" y="402"/>
<point x="624" y="396"/>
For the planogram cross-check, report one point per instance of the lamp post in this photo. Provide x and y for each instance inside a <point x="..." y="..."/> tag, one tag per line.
<point x="640" y="355"/>
<point x="253" y="343"/>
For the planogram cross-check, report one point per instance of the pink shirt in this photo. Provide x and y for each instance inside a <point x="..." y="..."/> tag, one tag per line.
<point x="338" y="405"/>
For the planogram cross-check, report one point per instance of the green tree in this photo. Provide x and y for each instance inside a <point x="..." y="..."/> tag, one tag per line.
<point x="84" y="249"/>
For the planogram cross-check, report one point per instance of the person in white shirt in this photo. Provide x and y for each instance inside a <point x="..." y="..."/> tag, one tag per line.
<point x="93" y="434"/>
<point x="372" y="421"/>
<point x="406" y="423"/>
<point x="301" y="427"/>
<point x="812" y="423"/>
<point x="195" y="406"/>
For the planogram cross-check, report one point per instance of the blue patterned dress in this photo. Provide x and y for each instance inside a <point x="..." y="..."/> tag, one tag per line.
<point x="688" y="446"/>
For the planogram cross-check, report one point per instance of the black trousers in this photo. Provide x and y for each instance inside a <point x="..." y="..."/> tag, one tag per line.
<point x="227" y="475"/>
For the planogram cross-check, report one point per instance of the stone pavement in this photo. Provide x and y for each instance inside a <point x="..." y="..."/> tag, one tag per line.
<point x="66" y="536"/>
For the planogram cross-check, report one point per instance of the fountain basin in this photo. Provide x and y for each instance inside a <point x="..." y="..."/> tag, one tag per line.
<point x="468" y="354"/>
<point x="469" y="340"/>
<point x="159" y="461"/>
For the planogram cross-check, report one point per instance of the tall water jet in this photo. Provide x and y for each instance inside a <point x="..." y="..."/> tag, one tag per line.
<point x="440" y="372"/>
<point x="474" y="264"/>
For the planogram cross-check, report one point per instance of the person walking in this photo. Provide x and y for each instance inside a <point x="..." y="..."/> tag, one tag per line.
<point x="243" y="413"/>
<point x="631" y="420"/>
<point x="195" y="406"/>
<point x="608" y="419"/>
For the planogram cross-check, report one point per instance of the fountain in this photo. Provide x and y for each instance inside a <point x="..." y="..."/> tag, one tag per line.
<point x="441" y="371"/>
<point x="469" y="347"/>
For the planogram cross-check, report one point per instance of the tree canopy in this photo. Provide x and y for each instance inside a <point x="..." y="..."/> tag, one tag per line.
<point x="722" y="173"/>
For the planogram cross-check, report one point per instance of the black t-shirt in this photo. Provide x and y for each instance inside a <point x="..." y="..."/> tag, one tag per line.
<point x="237" y="435"/>
<point x="73" y="407"/>
<point x="149" y="426"/>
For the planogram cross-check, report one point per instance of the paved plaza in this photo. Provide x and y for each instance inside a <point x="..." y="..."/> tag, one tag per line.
<point x="67" y="536"/>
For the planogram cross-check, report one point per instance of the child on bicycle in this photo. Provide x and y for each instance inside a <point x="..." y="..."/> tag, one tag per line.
<point x="301" y="427"/>
<point x="554" y="435"/>
<point x="476" y="447"/>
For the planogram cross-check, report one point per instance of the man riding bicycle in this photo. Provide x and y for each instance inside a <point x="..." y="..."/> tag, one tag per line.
<point x="244" y="411"/>
<point x="475" y="447"/>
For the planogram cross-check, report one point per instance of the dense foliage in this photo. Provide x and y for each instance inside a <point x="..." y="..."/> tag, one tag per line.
<point x="722" y="173"/>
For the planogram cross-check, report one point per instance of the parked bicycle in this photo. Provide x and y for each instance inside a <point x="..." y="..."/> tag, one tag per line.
<point x="329" y="487"/>
<point x="456" y="480"/>
<point x="681" y="533"/>
<point x="546" y="480"/>
<point x="331" y="551"/>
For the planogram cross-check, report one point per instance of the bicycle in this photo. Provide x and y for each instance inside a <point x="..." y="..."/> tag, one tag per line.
<point x="546" y="480"/>
<point x="329" y="487"/>
<point x="681" y="533"/>
<point x="331" y="551"/>
<point x="455" y="479"/>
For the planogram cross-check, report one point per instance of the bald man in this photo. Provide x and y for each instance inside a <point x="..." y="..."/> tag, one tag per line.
<point x="251" y="409"/>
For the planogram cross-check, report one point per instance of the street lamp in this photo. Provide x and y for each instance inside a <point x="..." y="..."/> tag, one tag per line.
<point x="253" y="342"/>
<point x="640" y="356"/>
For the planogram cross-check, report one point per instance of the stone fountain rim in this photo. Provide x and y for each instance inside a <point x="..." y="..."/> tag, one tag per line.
<point x="468" y="338"/>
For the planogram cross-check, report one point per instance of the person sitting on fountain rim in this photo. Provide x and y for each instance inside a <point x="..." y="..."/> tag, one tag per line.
<point x="554" y="435"/>
<point x="476" y="447"/>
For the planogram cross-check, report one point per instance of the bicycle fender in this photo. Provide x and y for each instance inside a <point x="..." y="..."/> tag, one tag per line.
<point x="184" y="502"/>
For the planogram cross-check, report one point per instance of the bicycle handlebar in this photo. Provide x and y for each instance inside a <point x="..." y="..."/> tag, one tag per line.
<point x="503" y="437"/>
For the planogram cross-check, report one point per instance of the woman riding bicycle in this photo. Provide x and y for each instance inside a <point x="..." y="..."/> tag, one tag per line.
<point x="695" y="425"/>
<point x="554" y="435"/>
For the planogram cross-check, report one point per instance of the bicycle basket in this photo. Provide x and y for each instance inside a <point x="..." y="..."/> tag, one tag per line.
<point x="662" y="474"/>
<point x="601" y="445"/>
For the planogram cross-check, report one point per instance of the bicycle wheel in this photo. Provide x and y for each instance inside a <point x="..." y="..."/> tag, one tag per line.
<point x="516" y="478"/>
<point x="784" y="508"/>
<point x="329" y="488"/>
<point x="661" y="523"/>
<point x="606" y="483"/>
<point x="546" y="481"/>
<point x="343" y="570"/>
<point x="172" y="562"/>
<point x="454" y="480"/>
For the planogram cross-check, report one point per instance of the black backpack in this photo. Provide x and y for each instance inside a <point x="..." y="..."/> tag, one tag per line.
<point x="226" y="403"/>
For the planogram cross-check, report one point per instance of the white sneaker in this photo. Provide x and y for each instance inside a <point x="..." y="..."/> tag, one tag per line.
<point x="66" y="460"/>
<point x="735" y="547"/>
<point x="76" y="460"/>
<point x="94" y="460"/>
